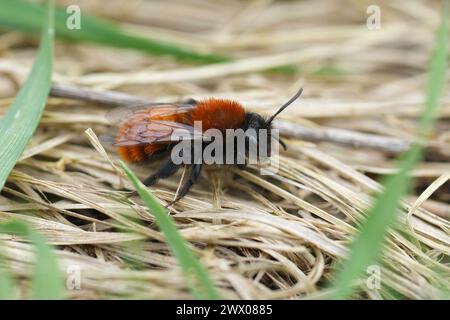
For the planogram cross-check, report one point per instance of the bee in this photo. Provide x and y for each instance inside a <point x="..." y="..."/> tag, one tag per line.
<point x="145" y="132"/>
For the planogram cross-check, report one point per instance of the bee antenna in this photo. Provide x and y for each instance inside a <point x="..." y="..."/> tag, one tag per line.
<point x="284" y="106"/>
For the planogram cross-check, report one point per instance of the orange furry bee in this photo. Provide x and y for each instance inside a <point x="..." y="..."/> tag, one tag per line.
<point x="145" y="133"/>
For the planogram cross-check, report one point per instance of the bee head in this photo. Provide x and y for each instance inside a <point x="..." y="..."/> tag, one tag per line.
<point x="257" y="131"/>
<point x="257" y="122"/>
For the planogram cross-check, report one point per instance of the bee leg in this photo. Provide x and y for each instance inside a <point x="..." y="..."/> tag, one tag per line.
<point x="242" y="166"/>
<point x="239" y="155"/>
<point x="196" y="169"/>
<point x="166" y="170"/>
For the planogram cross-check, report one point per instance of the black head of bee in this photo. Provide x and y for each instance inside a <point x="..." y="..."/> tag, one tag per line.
<point x="257" y="122"/>
<point x="254" y="121"/>
<point x="254" y="126"/>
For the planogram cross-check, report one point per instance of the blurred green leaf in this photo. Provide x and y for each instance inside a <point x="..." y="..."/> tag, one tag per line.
<point x="22" y="118"/>
<point x="198" y="279"/>
<point x="329" y="71"/>
<point x="366" y="248"/>
<point x="16" y="129"/>
<point x="46" y="281"/>
<point x="28" y="17"/>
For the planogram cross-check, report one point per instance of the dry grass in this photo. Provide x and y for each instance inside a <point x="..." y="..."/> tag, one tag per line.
<point x="260" y="238"/>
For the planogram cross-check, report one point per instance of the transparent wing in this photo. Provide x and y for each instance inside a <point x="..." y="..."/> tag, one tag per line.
<point x="120" y="114"/>
<point x="157" y="131"/>
<point x="149" y="123"/>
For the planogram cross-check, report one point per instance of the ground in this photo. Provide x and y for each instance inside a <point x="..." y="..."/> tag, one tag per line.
<point x="260" y="237"/>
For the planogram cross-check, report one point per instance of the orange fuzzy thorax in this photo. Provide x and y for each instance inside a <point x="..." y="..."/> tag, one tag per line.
<point x="219" y="114"/>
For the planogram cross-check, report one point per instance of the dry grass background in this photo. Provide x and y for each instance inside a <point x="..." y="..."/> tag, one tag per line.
<point x="259" y="237"/>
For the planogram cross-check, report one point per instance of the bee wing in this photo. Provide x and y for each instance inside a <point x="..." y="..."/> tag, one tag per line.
<point x="155" y="131"/>
<point x="142" y="124"/>
<point x="119" y="114"/>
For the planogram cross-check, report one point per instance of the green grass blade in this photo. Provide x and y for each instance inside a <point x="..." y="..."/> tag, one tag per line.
<point x="366" y="248"/>
<point x="28" y="17"/>
<point x="22" y="118"/>
<point x="198" y="280"/>
<point x="46" y="282"/>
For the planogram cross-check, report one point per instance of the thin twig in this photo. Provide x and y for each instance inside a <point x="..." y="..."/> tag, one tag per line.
<point x="341" y="136"/>
<point x="346" y="137"/>
<point x="113" y="98"/>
